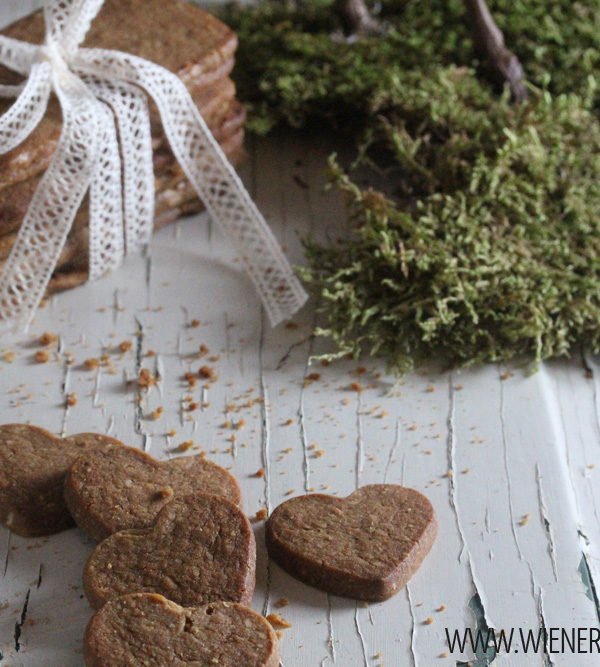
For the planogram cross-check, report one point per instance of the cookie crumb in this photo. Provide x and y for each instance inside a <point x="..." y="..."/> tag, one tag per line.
<point x="184" y="446"/>
<point x="156" y="414"/>
<point x="41" y="357"/>
<point x="277" y="621"/>
<point x="146" y="379"/>
<point x="428" y="621"/>
<point x="91" y="364"/>
<point x="282" y="602"/>
<point x="125" y="346"/>
<point x="47" y="338"/>
<point x="525" y="519"/>
<point x="261" y="515"/>
<point x="260" y="472"/>
<point x="195" y="323"/>
<point x="72" y="399"/>
<point x="356" y="386"/>
<point x="9" y="357"/>
<point x="207" y="373"/>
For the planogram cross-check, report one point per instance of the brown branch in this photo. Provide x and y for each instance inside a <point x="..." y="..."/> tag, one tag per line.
<point x="489" y="42"/>
<point x="357" y="18"/>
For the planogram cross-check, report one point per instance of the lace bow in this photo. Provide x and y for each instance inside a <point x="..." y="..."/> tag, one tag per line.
<point x="105" y="147"/>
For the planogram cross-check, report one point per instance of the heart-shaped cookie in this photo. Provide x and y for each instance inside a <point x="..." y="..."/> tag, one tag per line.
<point x="121" y="487"/>
<point x="200" y="548"/>
<point x="365" y="546"/>
<point x="33" y="466"/>
<point x="147" y="629"/>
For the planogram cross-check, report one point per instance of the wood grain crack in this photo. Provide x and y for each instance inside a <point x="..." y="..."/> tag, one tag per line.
<point x="413" y="626"/>
<point x="546" y="520"/>
<point x="360" y="455"/>
<point x="301" y="420"/>
<point x="589" y="584"/>
<point x="265" y="445"/>
<point x="331" y="638"/>
<point x="363" y="643"/>
<point x="19" y="624"/>
<point x="392" y="453"/>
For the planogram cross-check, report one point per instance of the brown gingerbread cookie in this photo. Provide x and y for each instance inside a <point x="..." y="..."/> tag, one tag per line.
<point x="365" y="546"/>
<point x="121" y="487"/>
<point x="147" y="629"/>
<point x="33" y="466"/>
<point x="200" y="548"/>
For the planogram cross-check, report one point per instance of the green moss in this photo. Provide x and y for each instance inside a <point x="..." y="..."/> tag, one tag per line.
<point x="487" y="245"/>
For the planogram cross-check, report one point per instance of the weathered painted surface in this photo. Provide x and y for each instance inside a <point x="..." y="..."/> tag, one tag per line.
<point x="510" y="461"/>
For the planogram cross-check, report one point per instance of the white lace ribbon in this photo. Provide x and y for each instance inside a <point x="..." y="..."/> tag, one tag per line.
<point x="105" y="147"/>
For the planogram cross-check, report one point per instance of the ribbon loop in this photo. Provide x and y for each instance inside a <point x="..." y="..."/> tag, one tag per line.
<point x="28" y="110"/>
<point x="76" y="28"/>
<point x="17" y="56"/>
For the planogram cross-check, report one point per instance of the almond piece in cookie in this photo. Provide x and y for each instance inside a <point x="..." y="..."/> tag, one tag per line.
<point x="366" y="546"/>
<point x="147" y="629"/>
<point x="200" y="548"/>
<point x="33" y="466"/>
<point x="122" y="487"/>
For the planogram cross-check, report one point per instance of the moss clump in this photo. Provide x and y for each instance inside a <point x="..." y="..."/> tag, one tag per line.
<point x="487" y="245"/>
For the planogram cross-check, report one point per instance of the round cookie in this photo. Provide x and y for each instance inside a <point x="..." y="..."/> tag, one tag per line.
<point x="200" y="548"/>
<point x="147" y="629"/>
<point x="33" y="466"/>
<point x="366" y="546"/>
<point x="122" y="487"/>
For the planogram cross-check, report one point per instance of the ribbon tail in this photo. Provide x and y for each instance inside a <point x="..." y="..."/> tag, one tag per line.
<point x="106" y="201"/>
<point x="28" y="110"/>
<point x="52" y="209"/>
<point x="131" y="111"/>
<point x="211" y="175"/>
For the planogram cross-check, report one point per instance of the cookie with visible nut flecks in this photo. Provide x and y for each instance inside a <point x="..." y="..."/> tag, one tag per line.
<point x="147" y="629"/>
<point x="121" y="487"/>
<point x="199" y="549"/>
<point x="33" y="466"/>
<point x="366" y="546"/>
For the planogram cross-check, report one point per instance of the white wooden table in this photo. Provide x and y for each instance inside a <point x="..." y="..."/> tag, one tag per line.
<point x="511" y="462"/>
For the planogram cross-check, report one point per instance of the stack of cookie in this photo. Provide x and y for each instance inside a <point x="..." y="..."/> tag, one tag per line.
<point x="174" y="571"/>
<point x="180" y="37"/>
